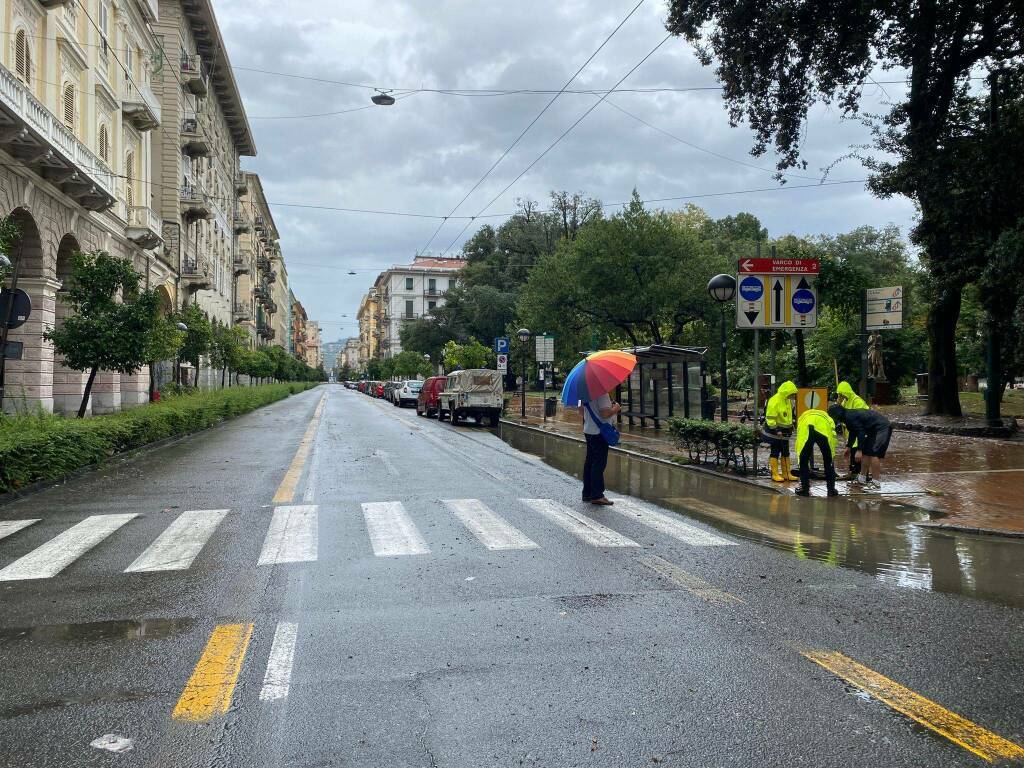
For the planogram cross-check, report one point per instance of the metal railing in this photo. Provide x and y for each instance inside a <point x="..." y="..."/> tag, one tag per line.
<point x="144" y="217"/>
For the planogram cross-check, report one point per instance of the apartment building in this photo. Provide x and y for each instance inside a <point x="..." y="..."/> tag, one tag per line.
<point x="297" y="332"/>
<point x="408" y="292"/>
<point x="369" y="332"/>
<point x="256" y="239"/>
<point x="77" y="121"/>
<point x="280" y="299"/>
<point x="349" y="355"/>
<point x="314" y="345"/>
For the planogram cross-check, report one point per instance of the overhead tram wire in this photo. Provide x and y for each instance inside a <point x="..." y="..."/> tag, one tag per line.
<point x="555" y="143"/>
<point x="533" y="122"/>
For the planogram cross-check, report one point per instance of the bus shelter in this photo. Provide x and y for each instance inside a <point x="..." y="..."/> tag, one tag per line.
<point x="667" y="381"/>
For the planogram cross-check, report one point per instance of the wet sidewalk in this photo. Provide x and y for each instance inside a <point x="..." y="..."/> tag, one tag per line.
<point x="967" y="484"/>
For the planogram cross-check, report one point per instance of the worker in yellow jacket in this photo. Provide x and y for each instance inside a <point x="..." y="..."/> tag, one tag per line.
<point x="778" y="420"/>
<point x="851" y="401"/>
<point x="815" y="428"/>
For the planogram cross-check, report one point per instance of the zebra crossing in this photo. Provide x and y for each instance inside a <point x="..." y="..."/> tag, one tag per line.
<point x="292" y="535"/>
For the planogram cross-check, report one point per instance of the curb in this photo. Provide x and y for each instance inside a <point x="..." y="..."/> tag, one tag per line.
<point x="938" y="525"/>
<point x="1001" y="433"/>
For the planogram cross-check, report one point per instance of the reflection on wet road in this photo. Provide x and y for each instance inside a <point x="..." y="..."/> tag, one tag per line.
<point x="876" y="536"/>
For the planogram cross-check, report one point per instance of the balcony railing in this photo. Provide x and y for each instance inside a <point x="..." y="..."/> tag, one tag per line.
<point x="241" y="183"/>
<point x="241" y="264"/>
<point x="195" y="204"/>
<point x="192" y="75"/>
<point x="45" y="144"/>
<point x="272" y="276"/>
<point x="195" y="272"/>
<point x="140" y="105"/>
<point x="192" y="139"/>
<point x="144" y="227"/>
<point x="243" y="313"/>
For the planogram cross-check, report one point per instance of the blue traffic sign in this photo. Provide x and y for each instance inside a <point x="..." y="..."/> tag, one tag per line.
<point x="501" y="345"/>
<point x="803" y="301"/>
<point x="751" y="288"/>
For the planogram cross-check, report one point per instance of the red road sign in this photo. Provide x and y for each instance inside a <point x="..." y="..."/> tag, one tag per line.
<point x="778" y="266"/>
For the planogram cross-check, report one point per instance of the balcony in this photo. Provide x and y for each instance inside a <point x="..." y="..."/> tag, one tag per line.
<point x="144" y="227"/>
<point x="266" y="332"/>
<point x="192" y="139"/>
<point x="195" y="204"/>
<point x="263" y="263"/>
<point x="140" y="105"/>
<point x="192" y="75"/>
<point x="241" y="183"/>
<point x="242" y="227"/>
<point x="243" y="313"/>
<point x="241" y="265"/>
<point x="433" y="293"/>
<point x="271" y="276"/>
<point x="33" y="135"/>
<point x="261" y="292"/>
<point x="195" y="273"/>
<point x="52" y="4"/>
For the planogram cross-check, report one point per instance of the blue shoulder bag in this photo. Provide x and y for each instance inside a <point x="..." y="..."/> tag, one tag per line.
<point x="608" y="432"/>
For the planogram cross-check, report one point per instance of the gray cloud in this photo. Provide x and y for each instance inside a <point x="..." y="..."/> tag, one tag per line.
<point x="424" y="153"/>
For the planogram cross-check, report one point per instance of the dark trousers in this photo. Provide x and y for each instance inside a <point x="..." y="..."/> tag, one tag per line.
<point x="816" y="439"/>
<point x="593" y="467"/>
<point x="779" y="445"/>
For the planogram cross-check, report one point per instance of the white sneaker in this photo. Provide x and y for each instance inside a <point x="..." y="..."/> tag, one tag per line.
<point x="872" y="485"/>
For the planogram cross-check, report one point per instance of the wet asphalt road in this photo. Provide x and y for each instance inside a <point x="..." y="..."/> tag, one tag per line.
<point x="686" y="649"/>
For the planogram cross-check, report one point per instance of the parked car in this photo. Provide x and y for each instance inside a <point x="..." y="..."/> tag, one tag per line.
<point x="407" y="392"/>
<point x="426" y="402"/>
<point x="361" y="386"/>
<point x="475" y="393"/>
<point x="389" y="390"/>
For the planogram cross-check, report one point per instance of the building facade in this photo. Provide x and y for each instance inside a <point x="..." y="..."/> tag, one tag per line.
<point x="409" y="292"/>
<point x="314" y="345"/>
<point x="369" y="332"/>
<point x="298" y="331"/>
<point x="256" y="241"/>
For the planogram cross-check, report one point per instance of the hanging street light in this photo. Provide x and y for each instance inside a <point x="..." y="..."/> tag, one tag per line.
<point x="383" y="98"/>
<point x="722" y="289"/>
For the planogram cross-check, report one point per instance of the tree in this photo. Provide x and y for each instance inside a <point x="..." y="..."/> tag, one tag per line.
<point x="472" y="354"/>
<point x="776" y="61"/>
<point x="198" y="337"/>
<point x="106" y="333"/>
<point x="408" y="364"/>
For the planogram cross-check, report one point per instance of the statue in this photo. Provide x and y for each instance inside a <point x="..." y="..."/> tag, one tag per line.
<point x="876" y="366"/>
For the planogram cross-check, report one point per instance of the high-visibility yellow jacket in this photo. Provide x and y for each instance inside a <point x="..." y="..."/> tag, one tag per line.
<point x="822" y="424"/>
<point x="851" y="402"/>
<point x="779" y="412"/>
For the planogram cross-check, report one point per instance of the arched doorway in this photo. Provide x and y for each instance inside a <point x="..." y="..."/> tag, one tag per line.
<point x="28" y="383"/>
<point x="68" y="384"/>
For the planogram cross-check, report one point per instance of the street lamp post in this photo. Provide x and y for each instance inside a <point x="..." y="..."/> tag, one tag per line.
<point x="524" y="337"/>
<point x="426" y="356"/>
<point x="722" y="289"/>
<point x="184" y="329"/>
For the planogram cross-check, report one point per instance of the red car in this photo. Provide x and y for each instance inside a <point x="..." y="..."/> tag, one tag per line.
<point x="361" y="386"/>
<point x="426" y="403"/>
<point x="379" y="391"/>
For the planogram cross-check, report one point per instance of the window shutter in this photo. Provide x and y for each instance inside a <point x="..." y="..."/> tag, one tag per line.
<point x="104" y="144"/>
<point x="21" y="56"/>
<point x="130" y="173"/>
<point x="69" y="106"/>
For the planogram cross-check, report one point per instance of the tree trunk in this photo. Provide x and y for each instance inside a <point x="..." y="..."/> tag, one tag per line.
<point x="943" y="394"/>
<point x="88" y="391"/>
<point x="802" y="378"/>
<point x="152" y="381"/>
<point x="223" y="377"/>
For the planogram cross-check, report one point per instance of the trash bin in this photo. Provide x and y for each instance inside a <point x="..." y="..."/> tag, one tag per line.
<point x="707" y="410"/>
<point x="550" y="404"/>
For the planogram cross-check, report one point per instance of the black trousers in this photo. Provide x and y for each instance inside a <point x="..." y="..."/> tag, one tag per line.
<point x="816" y="439"/>
<point x="594" y="466"/>
<point x="779" y="445"/>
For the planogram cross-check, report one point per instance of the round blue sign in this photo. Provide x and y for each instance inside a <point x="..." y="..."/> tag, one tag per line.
<point x="751" y="288"/>
<point x="803" y="301"/>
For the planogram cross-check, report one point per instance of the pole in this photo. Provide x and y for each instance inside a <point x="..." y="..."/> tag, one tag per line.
<point x="5" y="326"/>
<point x="543" y="391"/>
<point x="864" y="345"/>
<point x="757" y="392"/>
<point x="993" y="360"/>
<point x="725" y="375"/>
<point x="522" y="391"/>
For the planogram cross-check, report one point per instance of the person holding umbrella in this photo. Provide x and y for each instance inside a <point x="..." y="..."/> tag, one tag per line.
<point x="588" y="387"/>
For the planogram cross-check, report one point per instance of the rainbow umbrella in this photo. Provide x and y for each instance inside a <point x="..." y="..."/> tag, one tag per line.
<point x="597" y="375"/>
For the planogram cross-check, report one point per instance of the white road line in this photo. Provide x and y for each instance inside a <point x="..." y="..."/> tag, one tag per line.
<point x="386" y="461"/>
<point x="668" y="524"/>
<point x="292" y="536"/>
<point x="492" y="531"/>
<point x="7" y="527"/>
<point x="62" y="550"/>
<point x="392" y="531"/>
<point x="578" y="524"/>
<point x="279" y="665"/>
<point x="180" y="543"/>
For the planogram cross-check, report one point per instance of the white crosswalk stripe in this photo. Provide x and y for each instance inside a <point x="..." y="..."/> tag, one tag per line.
<point x="292" y="536"/>
<point x="392" y="531"/>
<point x="278" y="677"/>
<point x="62" y="550"/>
<point x="492" y="531"/>
<point x="578" y="524"/>
<point x="7" y="527"/>
<point x="180" y="543"/>
<point x="668" y="524"/>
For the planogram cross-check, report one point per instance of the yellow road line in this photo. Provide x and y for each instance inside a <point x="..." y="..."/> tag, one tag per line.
<point x="692" y="584"/>
<point x="286" y="490"/>
<point x="959" y="730"/>
<point x="212" y="684"/>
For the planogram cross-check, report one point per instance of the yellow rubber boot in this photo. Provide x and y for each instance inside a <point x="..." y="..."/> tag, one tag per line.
<point x="774" y="464"/>
<point x="787" y="471"/>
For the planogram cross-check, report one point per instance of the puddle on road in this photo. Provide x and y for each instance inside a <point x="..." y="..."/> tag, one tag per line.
<point x="91" y="631"/>
<point x="874" y="536"/>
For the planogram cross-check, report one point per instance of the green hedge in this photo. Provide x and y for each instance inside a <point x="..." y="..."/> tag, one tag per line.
<point x="35" y="448"/>
<point x="714" y="441"/>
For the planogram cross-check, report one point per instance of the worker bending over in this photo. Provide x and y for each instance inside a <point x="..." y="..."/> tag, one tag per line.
<point x="873" y="433"/>
<point x="778" y="420"/>
<point x="851" y="401"/>
<point x="815" y="428"/>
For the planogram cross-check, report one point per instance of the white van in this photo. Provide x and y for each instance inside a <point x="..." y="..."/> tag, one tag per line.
<point x="476" y="392"/>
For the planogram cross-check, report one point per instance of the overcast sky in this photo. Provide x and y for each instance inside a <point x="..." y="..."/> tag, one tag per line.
<point x="423" y="154"/>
